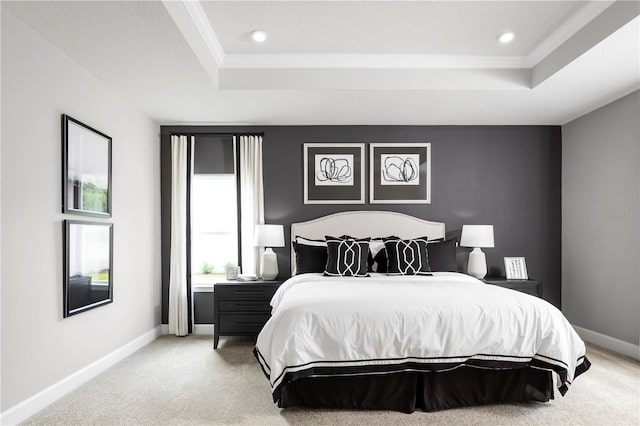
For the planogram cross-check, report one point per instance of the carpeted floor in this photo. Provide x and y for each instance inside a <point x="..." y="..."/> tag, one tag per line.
<point x="175" y="381"/>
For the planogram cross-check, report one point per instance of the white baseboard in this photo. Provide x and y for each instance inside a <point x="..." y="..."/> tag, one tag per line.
<point x="198" y="329"/>
<point x="37" y="402"/>
<point x="203" y="329"/>
<point x="608" y="342"/>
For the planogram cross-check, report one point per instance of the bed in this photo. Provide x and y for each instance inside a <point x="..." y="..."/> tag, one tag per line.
<point x="403" y="342"/>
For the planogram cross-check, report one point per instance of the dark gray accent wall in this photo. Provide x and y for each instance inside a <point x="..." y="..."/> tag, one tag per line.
<point x="203" y="308"/>
<point x="507" y="176"/>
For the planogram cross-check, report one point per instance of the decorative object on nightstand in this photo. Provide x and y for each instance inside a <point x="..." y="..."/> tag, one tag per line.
<point x="532" y="287"/>
<point x="232" y="272"/>
<point x="241" y="308"/>
<point x="268" y="236"/>
<point x="515" y="268"/>
<point x="477" y="236"/>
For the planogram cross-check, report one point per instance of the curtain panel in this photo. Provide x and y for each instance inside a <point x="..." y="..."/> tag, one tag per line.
<point x="251" y="199"/>
<point x="178" y="298"/>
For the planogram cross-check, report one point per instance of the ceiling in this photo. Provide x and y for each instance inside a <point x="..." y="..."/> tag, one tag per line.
<point x="351" y="62"/>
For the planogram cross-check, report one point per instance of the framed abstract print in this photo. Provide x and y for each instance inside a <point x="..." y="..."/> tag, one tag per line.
<point x="334" y="173"/>
<point x="400" y="173"/>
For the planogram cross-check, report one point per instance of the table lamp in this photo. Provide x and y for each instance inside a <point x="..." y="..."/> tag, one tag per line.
<point x="268" y="236"/>
<point x="477" y="236"/>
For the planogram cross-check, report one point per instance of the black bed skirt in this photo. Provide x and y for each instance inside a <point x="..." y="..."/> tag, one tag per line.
<point x="428" y="391"/>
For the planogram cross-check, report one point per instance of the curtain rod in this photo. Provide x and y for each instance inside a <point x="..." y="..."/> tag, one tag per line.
<point x="215" y="134"/>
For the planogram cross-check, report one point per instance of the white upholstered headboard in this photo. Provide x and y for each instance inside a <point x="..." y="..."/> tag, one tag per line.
<point x="362" y="224"/>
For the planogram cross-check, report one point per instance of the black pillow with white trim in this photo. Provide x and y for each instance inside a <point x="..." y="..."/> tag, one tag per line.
<point x="407" y="257"/>
<point x="347" y="257"/>
<point x="311" y="255"/>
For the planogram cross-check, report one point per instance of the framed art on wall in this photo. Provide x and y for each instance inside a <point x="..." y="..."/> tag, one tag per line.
<point x="88" y="265"/>
<point x="515" y="268"/>
<point x="86" y="168"/>
<point x="400" y="173"/>
<point x="334" y="173"/>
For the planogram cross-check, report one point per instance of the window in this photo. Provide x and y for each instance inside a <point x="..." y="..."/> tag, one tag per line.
<point x="214" y="208"/>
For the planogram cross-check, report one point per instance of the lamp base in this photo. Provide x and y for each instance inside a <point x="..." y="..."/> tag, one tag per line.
<point x="269" y="265"/>
<point x="477" y="266"/>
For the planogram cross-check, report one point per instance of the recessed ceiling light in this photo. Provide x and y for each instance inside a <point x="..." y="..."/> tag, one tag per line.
<point x="506" y="37"/>
<point x="259" y="35"/>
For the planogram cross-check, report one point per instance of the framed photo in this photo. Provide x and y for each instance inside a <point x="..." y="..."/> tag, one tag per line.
<point x="86" y="169"/>
<point x="88" y="266"/>
<point x="333" y="173"/>
<point x="233" y="272"/>
<point x="515" y="268"/>
<point x="400" y="173"/>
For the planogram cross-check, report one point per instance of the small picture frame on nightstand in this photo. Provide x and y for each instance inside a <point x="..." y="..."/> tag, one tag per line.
<point x="515" y="268"/>
<point x="233" y="272"/>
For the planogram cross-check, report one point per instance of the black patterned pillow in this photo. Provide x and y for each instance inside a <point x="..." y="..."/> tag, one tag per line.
<point x="407" y="257"/>
<point x="347" y="257"/>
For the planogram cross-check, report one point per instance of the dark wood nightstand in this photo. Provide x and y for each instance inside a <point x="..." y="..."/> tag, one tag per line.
<point x="529" y="286"/>
<point x="241" y="308"/>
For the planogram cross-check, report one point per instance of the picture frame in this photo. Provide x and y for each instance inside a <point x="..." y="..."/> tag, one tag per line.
<point x="400" y="173"/>
<point x="334" y="173"/>
<point x="87" y="266"/>
<point x="233" y="272"/>
<point x="515" y="268"/>
<point x="86" y="169"/>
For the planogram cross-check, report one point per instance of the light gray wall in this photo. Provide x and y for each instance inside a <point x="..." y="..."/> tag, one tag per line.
<point x="39" y="347"/>
<point x="601" y="220"/>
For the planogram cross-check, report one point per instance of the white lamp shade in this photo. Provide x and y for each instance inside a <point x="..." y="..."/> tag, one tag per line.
<point x="269" y="236"/>
<point x="477" y="236"/>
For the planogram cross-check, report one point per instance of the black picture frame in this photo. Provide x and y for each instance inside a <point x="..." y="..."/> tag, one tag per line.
<point x="86" y="169"/>
<point x="400" y="173"/>
<point x="334" y="173"/>
<point x="88" y="259"/>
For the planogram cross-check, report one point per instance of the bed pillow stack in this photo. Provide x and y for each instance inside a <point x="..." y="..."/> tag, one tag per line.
<point x="314" y="256"/>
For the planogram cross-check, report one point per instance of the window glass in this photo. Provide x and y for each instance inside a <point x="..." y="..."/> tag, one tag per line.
<point x="214" y="227"/>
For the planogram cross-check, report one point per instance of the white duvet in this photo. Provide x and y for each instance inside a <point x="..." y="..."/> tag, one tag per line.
<point x="332" y="325"/>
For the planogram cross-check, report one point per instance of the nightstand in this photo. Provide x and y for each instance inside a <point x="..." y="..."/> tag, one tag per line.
<point x="529" y="286"/>
<point x="241" y="308"/>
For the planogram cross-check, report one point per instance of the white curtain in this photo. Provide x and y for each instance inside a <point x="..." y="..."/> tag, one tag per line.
<point x="178" y="304"/>
<point x="251" y="200"/>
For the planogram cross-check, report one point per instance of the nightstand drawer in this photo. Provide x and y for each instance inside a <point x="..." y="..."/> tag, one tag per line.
<point x="249" y="305"/>
<point x="245" y="291"/>
<point x="242" y="324"/>
<point x="529" y="286"/>
<point x="523" y="288"/>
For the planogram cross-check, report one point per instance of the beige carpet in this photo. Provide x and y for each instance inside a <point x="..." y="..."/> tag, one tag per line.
<point x="175" y="381"/>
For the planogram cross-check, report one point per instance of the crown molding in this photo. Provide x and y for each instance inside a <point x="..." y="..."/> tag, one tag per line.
<point x="375" y="61"/>
<point x="203" y="25"/>
<point x="201" y="22"/>
<point x="572" y="25"/>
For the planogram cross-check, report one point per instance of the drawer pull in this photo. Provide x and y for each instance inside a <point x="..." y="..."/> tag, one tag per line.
<point x="248" y="292"/>
<point x="249" y="323"/>
<point x="249" y="305"/>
